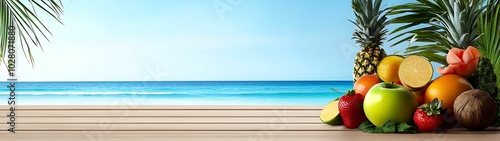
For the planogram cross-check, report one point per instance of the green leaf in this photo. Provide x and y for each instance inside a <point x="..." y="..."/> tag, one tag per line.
<point x="405" y="128"/>
<point x="335" y="90"/>
<point x="489" y="43"/>
<point x="388" y="127"/>
<point x="338" y="91"/>
<point x="377" y="130"/>
<point x="367" y="127"/>
<point x="338" y="98"/>
<point x="24" y="16"/>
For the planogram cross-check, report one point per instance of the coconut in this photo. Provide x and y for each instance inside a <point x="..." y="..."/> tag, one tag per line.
<point x="475" y="109"/>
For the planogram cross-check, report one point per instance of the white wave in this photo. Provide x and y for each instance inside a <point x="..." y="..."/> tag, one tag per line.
<point x="160" y="92"/>
<point x="90" y="93"/>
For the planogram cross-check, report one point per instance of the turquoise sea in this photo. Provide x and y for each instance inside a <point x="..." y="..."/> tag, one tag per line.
<point x="176" y="93"/>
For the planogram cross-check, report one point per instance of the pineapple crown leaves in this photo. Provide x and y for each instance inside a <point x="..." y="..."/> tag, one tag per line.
<point x="459" y="22"/>
<point x="433" y="107"/>
<point x="370" y="22"/>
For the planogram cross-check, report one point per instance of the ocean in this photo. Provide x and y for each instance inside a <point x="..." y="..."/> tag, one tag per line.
<point x="176" y="93"/>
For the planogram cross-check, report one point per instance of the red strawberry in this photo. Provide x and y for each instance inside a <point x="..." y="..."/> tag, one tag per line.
<point x="429" y="116"/>
<point x="351" y="109"/>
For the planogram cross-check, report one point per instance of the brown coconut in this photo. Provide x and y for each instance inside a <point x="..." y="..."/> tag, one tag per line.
<point x="475" y="109"/>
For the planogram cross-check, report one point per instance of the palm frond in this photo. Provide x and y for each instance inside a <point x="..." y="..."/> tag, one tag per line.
<point x="413" y="15"/>
<point x="416" y="18"/>
<point x="29" y="28"/>
<point x="440" y="24"/>
<point x="489" y="42"/>
<point x="4" y="27"/>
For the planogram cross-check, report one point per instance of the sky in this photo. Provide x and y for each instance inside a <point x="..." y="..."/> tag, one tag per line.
<point x="192" y="40"/>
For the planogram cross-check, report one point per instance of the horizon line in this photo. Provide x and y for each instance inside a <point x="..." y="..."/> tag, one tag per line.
<point x="185" y="81"/>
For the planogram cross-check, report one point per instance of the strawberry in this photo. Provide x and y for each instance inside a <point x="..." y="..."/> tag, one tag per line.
<point x="351" y="109"/>
<point x="429" y="116"/>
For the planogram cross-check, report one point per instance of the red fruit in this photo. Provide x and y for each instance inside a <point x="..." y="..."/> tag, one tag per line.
<point x="429" y="116"/>
<point x="351" y="109"/>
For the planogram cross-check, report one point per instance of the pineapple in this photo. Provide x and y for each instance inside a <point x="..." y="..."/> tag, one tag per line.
<point x="484" y="78"/>
<point x="460" y="25"/>
<point x="371" y="22"/>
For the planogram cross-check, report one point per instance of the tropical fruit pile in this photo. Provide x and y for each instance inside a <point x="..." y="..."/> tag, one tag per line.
<point x="398" y="93"/>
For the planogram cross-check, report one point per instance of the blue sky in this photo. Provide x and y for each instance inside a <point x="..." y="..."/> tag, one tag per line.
<point x="120" y="40"/>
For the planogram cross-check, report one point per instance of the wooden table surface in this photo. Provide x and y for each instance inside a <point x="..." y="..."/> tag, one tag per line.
<point x="195" y="123"/>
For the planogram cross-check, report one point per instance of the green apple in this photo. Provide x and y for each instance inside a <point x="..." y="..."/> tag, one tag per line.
<point x="388" y="101"/>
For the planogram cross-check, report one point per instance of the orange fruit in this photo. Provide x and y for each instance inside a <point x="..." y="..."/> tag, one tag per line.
<point x="415" y="72"/>
<point x="365" y="83"/>
<point x="420" y="96"/>
<point x="388" y="68"/>
<point x="447" y="88"/>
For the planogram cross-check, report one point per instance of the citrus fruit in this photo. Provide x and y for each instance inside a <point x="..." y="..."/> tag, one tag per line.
<point x="415" y="72"/>
<point x="330" y="113"/>
<point x="387" y="69"/>
<point x="365" y="83"/>
<point x="419" y="96"/>
<point x="447" y="88"/>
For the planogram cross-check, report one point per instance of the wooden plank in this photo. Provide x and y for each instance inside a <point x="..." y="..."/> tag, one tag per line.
<point x="159" y="107"/>
<point x="353" y="131"/>
<point x="194" y="123"/>
<point x="245" y="136"/>
<point x="165" y="120"/>
<point x="109" y="126"/>
<point x="345" y="131"/>
<point x="159" y="113"/>
<point x="172" y="127"/>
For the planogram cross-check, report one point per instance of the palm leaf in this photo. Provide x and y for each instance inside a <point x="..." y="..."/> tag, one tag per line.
<point x="416" y="18"/>
<point x="4" y="26"/>
<point x="439" y="25"/>
<point x="29" y="27"/>
<point x="412" y="15"/>
<point x="489" y="42"/>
